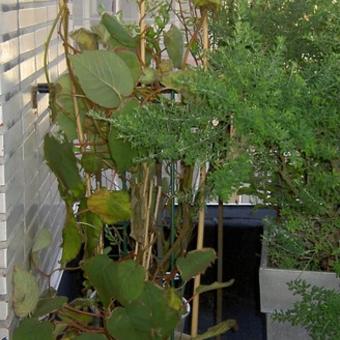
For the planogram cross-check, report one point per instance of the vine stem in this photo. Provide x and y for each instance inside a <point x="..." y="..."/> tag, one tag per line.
<point x="203" y="176"/>
<point x="48" y="42"/>
<point x="80" y="132"/>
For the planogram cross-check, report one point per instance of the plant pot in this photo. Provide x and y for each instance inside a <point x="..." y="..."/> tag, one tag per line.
<point x="275" y="295"/>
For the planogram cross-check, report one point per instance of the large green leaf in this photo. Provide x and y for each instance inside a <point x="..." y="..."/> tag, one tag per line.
<point x="103" y="76"/>
<point x="72" y="239"/>
<point x="122" y="152"/>
<point x="151" y="312"/>
<point x="49" y="305"/>
<point x="33" y="329"/>
<point x="110" y="206"/>
<point x="195" y="262"/>
<point x="174" y="43"/>
<point x="25" y="292"/>
<point x="123" y="281"/>
<point x="118" y="31"/>
<point x="62" y="161"/>
<point x="218" y="329"/>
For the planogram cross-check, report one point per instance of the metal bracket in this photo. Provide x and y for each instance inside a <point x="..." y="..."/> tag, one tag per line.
<point x="39" y="88"/>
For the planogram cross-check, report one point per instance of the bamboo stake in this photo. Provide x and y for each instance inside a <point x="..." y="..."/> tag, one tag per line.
<point x="142" y="27"/>
<point x="152" y="237"/>
<point x="201" y="216"/>
<point x="147" y="225"/>
<point x="200" y="241"/>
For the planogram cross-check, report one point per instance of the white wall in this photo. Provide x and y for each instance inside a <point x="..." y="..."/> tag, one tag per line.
<point x="29" y="198"/>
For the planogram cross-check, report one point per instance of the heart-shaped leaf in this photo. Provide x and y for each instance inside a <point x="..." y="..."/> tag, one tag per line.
<point x="123" y="281"/>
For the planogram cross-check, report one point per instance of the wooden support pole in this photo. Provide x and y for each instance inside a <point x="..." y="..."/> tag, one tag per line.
<point x="203" y="175"/>
<point x="200" y="242"/>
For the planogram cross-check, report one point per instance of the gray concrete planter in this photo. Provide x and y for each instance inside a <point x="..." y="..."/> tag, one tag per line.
<point x="274" y="295"/>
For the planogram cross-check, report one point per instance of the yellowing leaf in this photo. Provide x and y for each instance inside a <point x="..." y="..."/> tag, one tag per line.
<point x="110" y="206"/>
<point x="174" y="301"/>
<point x="85" y="39"/>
